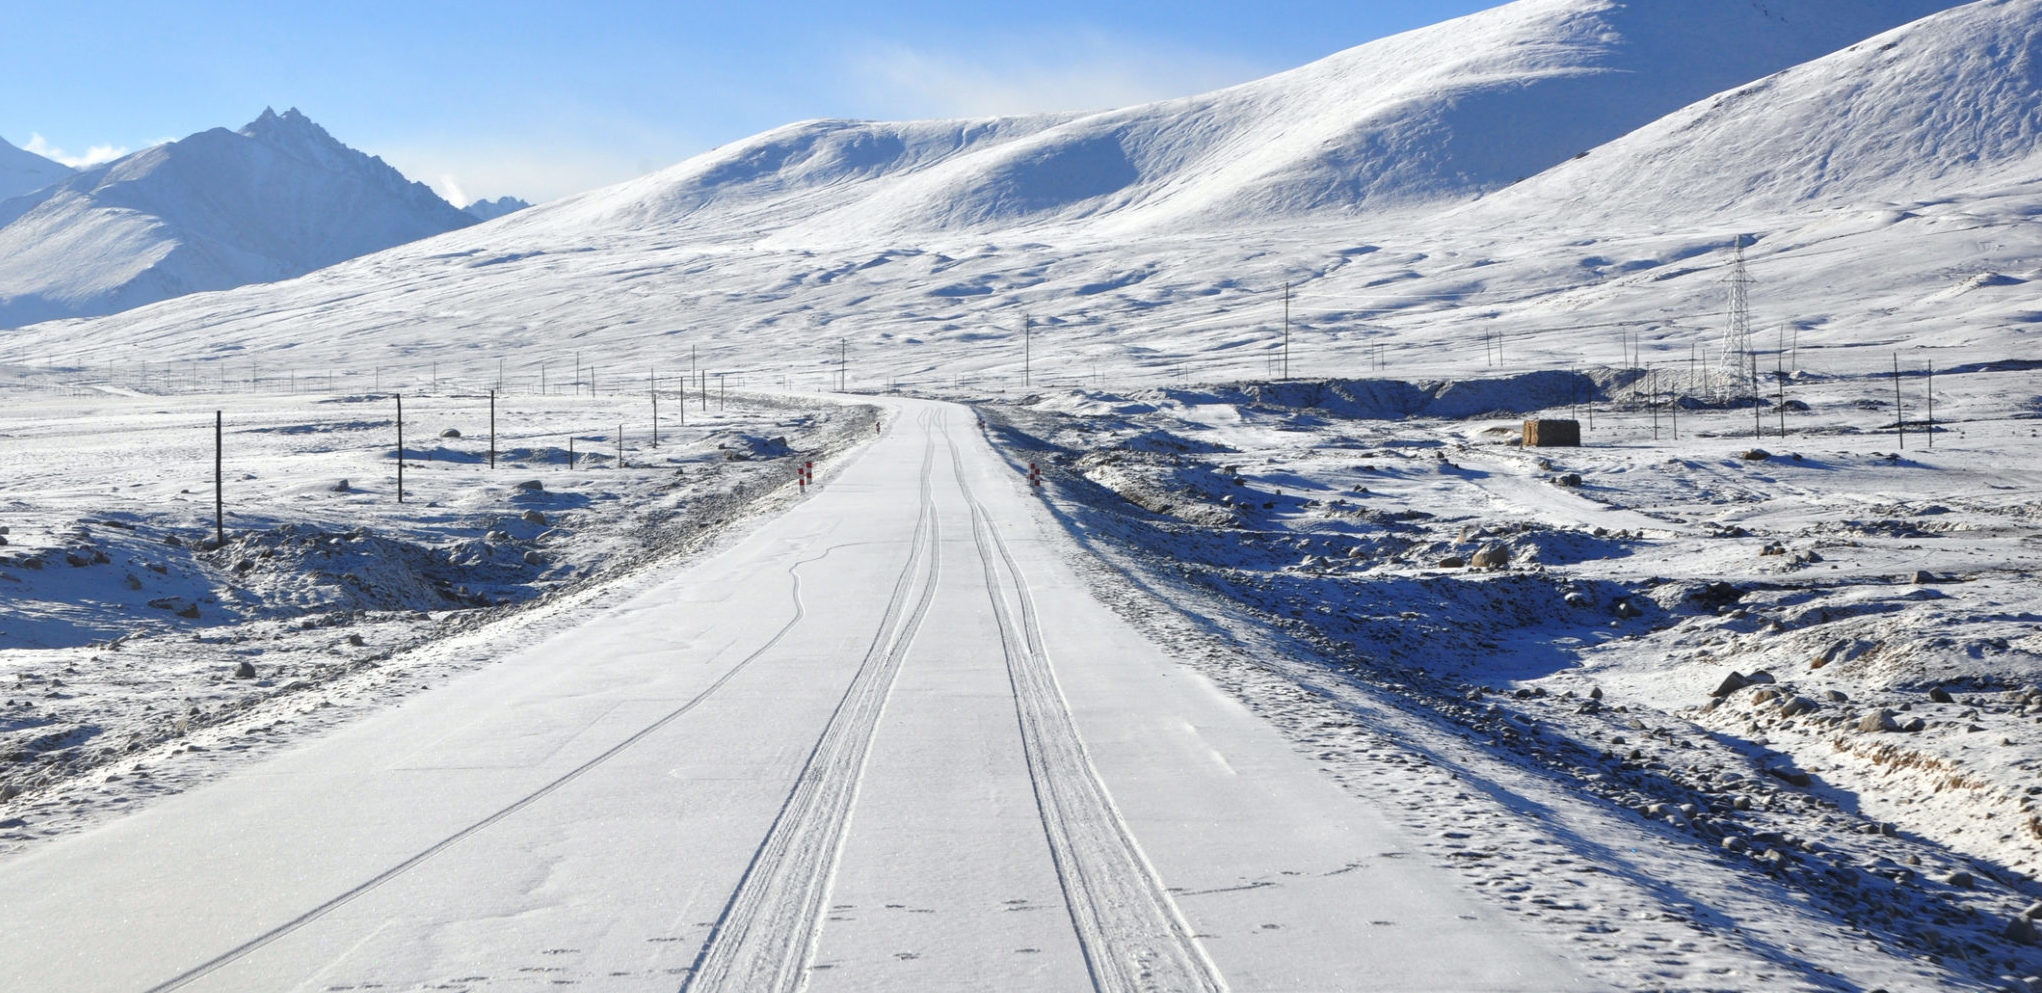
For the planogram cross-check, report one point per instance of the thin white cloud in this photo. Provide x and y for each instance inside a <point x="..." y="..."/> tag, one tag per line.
<point x="96" y="155"/>
<point x="1083" y="71"/>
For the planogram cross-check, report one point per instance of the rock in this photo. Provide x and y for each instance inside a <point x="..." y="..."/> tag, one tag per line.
<point x="1915" y="726"/>
<point x="531" y="486"/>
<point x="497" y="537"/>
<point x="1798" y="705"/>
<point x="246" y="670"/>
<point x="1792" y="777"/>
<point x="356" y="640"/>
<point x="532" y="557"/>
<point x="1731" y="683"/>
<point x="1734" y="843"/>
<point x="1960" y="879"/>
<point x="1922" y="577"/>
<point x="1577" y="599"/>
<point x="450" y="433"/>
<point x="1762" y="676"/>
<point x="1836" y="696"/>
<point x="1595" y="693"/>
<point x="533" y="517"/>
<point x="343" y="486"/>
<point x="1878" y="720"/>
<point x="2033" y="913"/>
<point x="1570" y="480"/>
<point x="1492" y="557"/>
<point x="190" y="612"/>
<point x="1941" y="695"/>
<point x="1626" y="609"/>
<point x="1755" y="455"/>
<point x="2021" y="931"/>
<point x="1453" y="562"/>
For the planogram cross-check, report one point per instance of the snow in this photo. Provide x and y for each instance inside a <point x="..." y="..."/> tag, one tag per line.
<point x="23" y="172"/>
<point x="1228" y="668"/>
<point x="489" y="210"/>
<point x="219" y="209"/>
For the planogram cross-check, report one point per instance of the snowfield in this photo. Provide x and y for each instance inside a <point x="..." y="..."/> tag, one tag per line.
<point x="1298" y="671"/>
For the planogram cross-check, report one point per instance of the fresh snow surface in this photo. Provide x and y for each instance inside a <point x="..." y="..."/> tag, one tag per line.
<point x="1268" y="421"/>
<point x="23" y="172"/>
<point x="489" y="210"/>
<point x="889" y="740"/>
<point x="221" y="208"/>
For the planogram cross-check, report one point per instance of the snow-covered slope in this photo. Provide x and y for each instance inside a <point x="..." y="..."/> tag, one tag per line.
<point x="1440" y="114"/>
<point x="26" y="172"/>
<point x="219" y="209"/>
<point x="1950" y="103"/>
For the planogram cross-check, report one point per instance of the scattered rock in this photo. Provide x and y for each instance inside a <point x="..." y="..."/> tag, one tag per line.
<point x="173" y="541"/>
<point x="1762" y="676"/>
<point x="1452" y="562"/>
<point x="1570" y="480"/>
<point x="343" y="486"/>
<point x="1492" y="557"/>
<point x="531" y="486"/>
<point x="1922" y="577"/>
<point x="1577" y="599"/>
<point x="533" y="517"/>
<point x="356" y="640"/>
<point x="1941" y="695"/>
<point x="450" y="433"/>
<point x="1755" y="455"/>
<point x="1626" y="609"/>
<point x="1878" y="721"/>
<point x="1792" y="777"/>
<point x="2021" y="931"/>
<point x="1914" y="726"/>
<point x="1731" y="683"/>
<point x="1798" y="705"/>
<point x="532" y="557"/>
<point x="246" y="670"/>
<point x="1960" y="879"/>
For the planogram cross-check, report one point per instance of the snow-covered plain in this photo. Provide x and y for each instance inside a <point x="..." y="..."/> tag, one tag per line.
<point x="1118" y="305"/>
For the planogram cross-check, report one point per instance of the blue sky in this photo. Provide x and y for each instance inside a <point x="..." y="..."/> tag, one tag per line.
<point x="540" y="100"/>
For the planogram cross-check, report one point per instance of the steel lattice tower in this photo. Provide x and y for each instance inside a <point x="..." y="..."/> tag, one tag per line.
<point x="1733" y="374"/>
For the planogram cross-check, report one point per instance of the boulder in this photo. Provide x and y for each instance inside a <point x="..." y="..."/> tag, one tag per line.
<point x="1731" y="683"/>
<point x="342" y="486"/>
<point x="1452" y="562"/>
<point x="1878" y="721"/>
<point x="533" y="517"/>
<point x="1941" y="695"/>
<point x="531" y="486"/>
<point x="451" y="433"/>
<point x="1491" y="557"/>
<point x="1755" y="455"/>
<point x="246" y="670"/>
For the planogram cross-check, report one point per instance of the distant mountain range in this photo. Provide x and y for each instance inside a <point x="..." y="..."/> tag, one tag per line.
<point x="489" y="210"/>
<point x="1539" y="168"/>
<point x="26" y="172"/>
<point x="219" y="209"/>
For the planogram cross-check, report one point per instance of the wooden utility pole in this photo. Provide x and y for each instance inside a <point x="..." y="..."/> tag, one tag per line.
<point x="492" y="429"/>
<point x="1899" y="418"/>
<point x="1286" y="330"/>
<point x="1027" y="351"/>
<point x="219" y="481"/>
<point x="400" y="448"/>
<point x="1932" y="404"/>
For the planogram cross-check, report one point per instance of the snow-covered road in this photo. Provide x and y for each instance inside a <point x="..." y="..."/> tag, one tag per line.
<point x="887" y="742"/>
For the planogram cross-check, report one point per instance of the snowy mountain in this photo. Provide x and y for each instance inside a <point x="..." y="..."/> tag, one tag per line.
<point x="1951" y="102"/>
<point x="221" y="208"/>
<point x="26" y="172"/>
<point x="489" y="210"/>
<point x="941" y="236"/>
<point x="1437" y="115"/>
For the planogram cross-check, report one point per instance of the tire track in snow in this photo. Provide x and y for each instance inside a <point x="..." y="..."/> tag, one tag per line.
<point x="1133" y="937"/>
<point x="762" y="941"/>
<point x="256" y="943"/>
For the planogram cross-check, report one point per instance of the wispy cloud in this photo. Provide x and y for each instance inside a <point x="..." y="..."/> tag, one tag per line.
<point x="96" y="155"/>
<point x="1078" y="71"/>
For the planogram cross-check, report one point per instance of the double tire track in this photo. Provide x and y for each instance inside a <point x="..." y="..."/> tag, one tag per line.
<point x="763" y="940"/>
<point x="1131" y="933"/>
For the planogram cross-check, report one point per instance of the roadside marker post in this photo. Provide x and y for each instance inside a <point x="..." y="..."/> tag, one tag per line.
<point x="1034" y="474"/>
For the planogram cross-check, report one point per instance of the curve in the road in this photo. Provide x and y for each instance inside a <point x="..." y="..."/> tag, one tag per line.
<point x="1133" y="938"/>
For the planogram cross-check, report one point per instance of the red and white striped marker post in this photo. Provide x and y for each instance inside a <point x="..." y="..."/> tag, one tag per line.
<point x="1034" y="474"/>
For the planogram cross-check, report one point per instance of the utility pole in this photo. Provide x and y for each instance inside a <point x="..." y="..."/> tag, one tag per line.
<point x="1932" y="404"/>
<point x="492" y="429"/>
<point x="843" y="365"/>
<point x="219" y="481"/>
<point x="1027" y="348"/>
<point x="1286" y="331"/>
<point x="1899" y="417"/>
<point x="653" y="379"/>
<point x="400" y="448"/>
